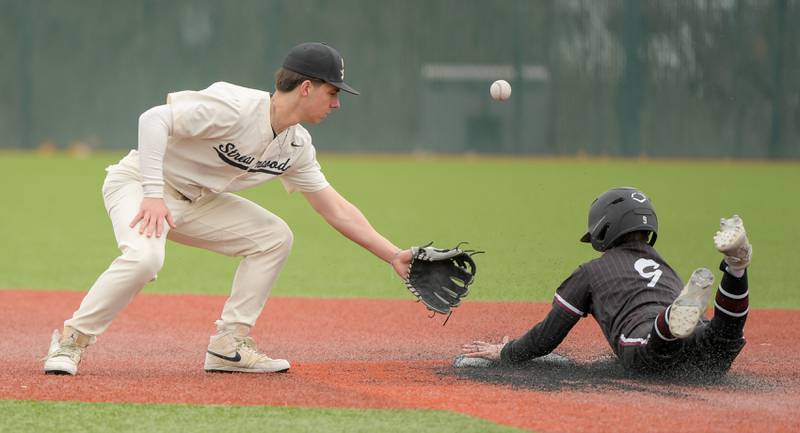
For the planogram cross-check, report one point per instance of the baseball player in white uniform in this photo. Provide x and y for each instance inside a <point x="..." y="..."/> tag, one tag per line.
<point x="193" y="153"/>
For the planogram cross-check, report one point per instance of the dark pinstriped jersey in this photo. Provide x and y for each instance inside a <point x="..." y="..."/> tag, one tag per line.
<point x="627" y="286"/>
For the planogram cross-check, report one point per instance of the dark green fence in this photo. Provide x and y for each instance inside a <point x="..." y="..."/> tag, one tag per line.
<point x="688" y="78"/>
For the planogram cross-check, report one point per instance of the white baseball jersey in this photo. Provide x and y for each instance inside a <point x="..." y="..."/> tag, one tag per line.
<point x="222" y="141"/>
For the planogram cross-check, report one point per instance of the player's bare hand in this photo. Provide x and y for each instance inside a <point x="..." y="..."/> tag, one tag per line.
<point x="482" y="349"/>
<point x="152" y="214"/>
<point x="400" y="262"/>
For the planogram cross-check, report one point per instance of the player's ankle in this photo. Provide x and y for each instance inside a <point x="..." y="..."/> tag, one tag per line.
<point x="737" y="273"/>
<point x="79" y="338"/>
<point x="237" y="329"/>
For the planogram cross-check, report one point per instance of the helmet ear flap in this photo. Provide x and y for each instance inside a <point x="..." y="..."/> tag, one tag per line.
<point x="599" y="238"/>
<point x="601" y="235"/>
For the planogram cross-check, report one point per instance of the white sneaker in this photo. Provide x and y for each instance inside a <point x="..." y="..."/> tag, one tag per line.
<point x="65" y="354"/>
<point x="731" y="240"/>
<point x="230" y="351"/>
<point x="688" y="308"/>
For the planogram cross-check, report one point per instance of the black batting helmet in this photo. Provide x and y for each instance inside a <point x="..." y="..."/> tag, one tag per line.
<point x="617" y="212"/>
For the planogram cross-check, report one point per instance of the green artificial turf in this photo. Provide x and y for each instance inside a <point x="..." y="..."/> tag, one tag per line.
<point x="527" y="214"/>
<point x="68" y="417"/>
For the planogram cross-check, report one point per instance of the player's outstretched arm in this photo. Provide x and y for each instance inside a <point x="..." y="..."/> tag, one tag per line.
<point x="350" y="222"/>
<point x="538" y="341"/>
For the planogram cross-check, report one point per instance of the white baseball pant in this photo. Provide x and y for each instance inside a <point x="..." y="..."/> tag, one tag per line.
<point x="224" y="223"/>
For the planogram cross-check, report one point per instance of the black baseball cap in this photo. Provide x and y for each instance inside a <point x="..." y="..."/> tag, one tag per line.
<point x="320" y="61"/>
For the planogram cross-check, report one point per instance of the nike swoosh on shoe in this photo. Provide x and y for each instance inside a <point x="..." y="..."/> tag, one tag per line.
<point x="236" y="358"/>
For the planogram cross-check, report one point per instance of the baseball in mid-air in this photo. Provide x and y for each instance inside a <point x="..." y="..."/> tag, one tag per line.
<point x="500" y="90"/>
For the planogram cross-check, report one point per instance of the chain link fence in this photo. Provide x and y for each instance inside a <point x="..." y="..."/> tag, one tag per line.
<point x="695" y="78"/>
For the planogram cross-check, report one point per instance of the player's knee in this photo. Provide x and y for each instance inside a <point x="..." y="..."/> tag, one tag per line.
<point x="145" y="261"/>
<point x="278" y="240"/>
<point x="284" y="237"/>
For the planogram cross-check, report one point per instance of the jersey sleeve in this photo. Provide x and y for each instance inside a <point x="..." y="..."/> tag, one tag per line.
<point x="571" y="302"/>
<point x="574" y="295"/>
<point x="204" y="115"/>
<point x="306" y="174"/>
<point x="541" y="339"/>
<point x="155" y="126"/>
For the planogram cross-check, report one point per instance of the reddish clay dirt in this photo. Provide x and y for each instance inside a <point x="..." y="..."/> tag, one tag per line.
<point x="387" y="354"/>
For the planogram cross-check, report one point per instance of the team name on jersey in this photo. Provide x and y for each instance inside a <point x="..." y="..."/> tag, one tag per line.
<point x="230" y="155"/>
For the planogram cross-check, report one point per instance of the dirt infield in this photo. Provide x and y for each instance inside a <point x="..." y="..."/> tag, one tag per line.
<point x="387" y="354"/>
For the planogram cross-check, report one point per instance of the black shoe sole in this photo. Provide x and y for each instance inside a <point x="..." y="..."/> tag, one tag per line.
<point x="245" y="372"/>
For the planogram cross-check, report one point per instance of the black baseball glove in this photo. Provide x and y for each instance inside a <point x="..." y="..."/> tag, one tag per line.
<point x="440" y="277"/>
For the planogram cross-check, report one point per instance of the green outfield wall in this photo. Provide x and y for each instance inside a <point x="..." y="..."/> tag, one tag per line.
<point x="694" y="78"/>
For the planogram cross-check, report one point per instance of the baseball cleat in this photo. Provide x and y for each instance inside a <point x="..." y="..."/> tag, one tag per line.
<point x="686" y="311"/>
<point x="731" y="240"/>
<point x="65" y="354"/>
<point x="234" y="353"/>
